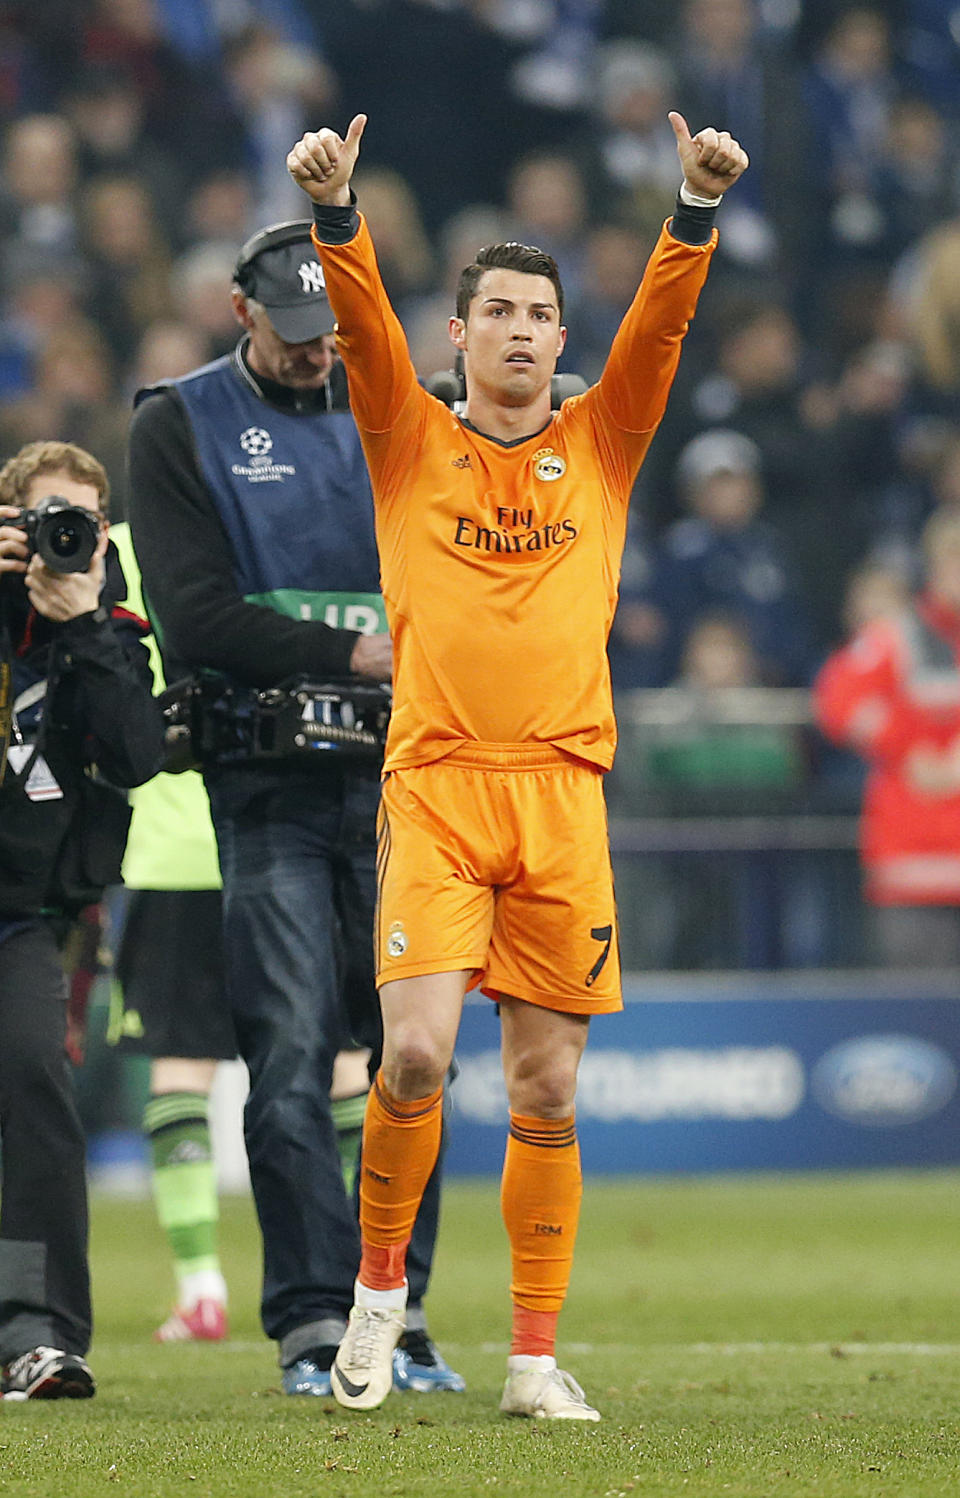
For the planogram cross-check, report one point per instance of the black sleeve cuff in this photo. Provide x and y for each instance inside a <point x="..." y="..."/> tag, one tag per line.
<point x="692" y="225"/>
<point x="84" y="626"/>
<point x="336" y="225"/>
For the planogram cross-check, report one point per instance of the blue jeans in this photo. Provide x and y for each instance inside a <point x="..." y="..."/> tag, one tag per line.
<point x="298" y="859"/>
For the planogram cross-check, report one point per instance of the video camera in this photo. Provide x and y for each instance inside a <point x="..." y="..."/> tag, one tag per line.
<point x="211" y="720"/>
<point x="63" y="535"/>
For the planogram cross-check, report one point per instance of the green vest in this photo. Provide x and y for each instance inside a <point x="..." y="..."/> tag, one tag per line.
<point x="171" y="843"/>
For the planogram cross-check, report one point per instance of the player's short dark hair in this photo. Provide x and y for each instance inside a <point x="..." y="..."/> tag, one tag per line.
<point x="510" y="256"/>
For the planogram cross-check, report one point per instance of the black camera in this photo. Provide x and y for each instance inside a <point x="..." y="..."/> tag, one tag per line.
<point x="63" y="535"/>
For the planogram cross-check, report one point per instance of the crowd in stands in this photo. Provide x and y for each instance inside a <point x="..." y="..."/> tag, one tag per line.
<point x="815" y="422"/>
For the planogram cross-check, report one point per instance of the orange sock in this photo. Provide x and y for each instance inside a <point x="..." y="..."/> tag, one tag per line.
<point x="540" y="1201"/>
<point x="401" y="1142"/>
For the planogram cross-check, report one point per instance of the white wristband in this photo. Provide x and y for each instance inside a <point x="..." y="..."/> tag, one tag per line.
<point x="694" y="200"/>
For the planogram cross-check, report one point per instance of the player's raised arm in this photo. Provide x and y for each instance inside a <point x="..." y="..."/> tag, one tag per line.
<point x="712" y="160"/>
<point x="370" y="338"/>
<point x="643" y="360"/>
<point x="322" y="163"/>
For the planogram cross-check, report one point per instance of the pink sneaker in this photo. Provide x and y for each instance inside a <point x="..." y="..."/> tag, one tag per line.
<point x="204" y="1322"/>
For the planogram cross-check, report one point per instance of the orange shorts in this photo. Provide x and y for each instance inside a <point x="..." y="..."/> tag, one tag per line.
<point x="496" y="860"/>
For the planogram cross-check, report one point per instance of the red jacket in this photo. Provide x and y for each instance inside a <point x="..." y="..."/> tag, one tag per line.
<point x="894" y="688"/>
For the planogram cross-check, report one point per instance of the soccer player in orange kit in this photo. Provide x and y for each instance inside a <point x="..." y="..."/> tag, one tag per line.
<point x="500" y="536"/>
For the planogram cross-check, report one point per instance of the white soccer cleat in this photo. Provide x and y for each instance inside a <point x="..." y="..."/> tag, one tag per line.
<point x="537" y="1388"/>
<point x="362" y="1372"/>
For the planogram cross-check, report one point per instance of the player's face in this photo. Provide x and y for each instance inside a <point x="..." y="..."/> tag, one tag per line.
<point x="303" y="366"/>
<point x="512" y="337"/>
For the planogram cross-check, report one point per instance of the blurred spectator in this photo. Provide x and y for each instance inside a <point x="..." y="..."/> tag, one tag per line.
<point x="555" y="72"/>
<point x="403" y="249"/>
<point x="462" y="97"/>
<point x="864" y="428"/>
<point x="728" y="72"/>
<point x="547" y="203"/>
<point x="756" y="382"/>
<point x="930" y="45"/>
<point x="850" y="90"/>
<point x="108" y="114"/>
<point x="630" y="166"/>
<point x="41" y="292"/>
<point x="614" y="260"/>
<point x="874" y="591"/>
<point x="279" y="90"/>
<point x="945" y="474"/>
<point x="219" y="210"/>
<point x="463" y="234"/>
<point x="916" y="181"/>
<point x="127" y="260"/>
<point x="640" y="650"/>
<point x="712" y="745"/>
<point x="893" y="695"/>
<point x="38" y="186"/>
<point x="167" y="350"/>
<point x="724" y="558"/>
<point x="930" y="309"/>
<point x="187" y="105"/>
<point x="200" y="282"/>
<point x="73" y="399"/>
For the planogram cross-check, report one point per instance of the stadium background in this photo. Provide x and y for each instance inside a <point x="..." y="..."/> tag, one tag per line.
<point x="142" y="140"/>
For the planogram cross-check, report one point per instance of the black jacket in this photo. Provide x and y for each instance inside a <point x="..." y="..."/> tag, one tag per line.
<point x="98" y="727"/>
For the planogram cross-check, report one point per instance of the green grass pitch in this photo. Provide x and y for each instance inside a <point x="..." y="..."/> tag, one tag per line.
<point x="763" y="1337"/>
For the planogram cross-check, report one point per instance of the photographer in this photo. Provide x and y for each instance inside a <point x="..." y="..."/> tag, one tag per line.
<point x="75" y="706"/>
<point x="252" y="520"/>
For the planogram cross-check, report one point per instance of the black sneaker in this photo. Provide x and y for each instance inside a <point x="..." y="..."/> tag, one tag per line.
<point x="419" y="1368"/>
<point x="47" y="1373"/>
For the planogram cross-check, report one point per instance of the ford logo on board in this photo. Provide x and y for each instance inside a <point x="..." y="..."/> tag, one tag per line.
<point x="882" y="1081"/>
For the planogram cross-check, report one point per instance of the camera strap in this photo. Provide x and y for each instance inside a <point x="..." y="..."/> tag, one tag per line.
<point x="8" y="710"/>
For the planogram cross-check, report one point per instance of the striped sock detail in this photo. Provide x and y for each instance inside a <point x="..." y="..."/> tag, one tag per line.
<point x="540" y="1201"/>
<point x="167" y="1108"/>
<point x="184" y="1178"/>
<point x="392" y="1106"/>
<point x="544" y="1135"/>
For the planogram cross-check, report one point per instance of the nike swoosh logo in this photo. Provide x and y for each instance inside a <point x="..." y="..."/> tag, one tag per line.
<point x="354" y="1390"/>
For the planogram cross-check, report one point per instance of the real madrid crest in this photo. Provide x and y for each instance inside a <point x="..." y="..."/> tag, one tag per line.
<point x="396" y="940"/>
<point x="548" y="465"/>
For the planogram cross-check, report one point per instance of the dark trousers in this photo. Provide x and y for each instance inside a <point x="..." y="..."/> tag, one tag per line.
<point x="44" y="1275"/>
<point x="298" y="859"/>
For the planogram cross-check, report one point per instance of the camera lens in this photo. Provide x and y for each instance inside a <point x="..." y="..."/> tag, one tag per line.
<point x="63" y="540"/>
<point x="66" y="537"/>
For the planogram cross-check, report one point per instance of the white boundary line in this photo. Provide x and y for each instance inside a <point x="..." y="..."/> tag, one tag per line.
<point x="693" y="1349"/>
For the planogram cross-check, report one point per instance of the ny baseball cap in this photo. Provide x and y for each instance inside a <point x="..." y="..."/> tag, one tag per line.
<point x="279" y="267"/>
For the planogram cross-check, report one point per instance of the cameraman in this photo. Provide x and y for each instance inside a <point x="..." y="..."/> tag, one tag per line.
<point x="252" y="520"/>
<point x="75" y="693"/>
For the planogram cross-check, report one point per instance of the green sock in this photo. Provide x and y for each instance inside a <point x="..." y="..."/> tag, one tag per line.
<point x="185" y="1184"/>
<point x="347" y="1114"/>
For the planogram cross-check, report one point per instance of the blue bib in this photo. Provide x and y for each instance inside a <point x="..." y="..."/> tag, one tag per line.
<point x="293" y="494"/>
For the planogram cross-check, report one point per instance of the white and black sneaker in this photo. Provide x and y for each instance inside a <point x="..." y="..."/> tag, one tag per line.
<point x="538" y="1389"/>
<point x="47" y="1373"/>
<point x="362" y="1372"/>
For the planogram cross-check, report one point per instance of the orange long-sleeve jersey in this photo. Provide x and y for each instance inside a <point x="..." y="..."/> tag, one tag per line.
<point x="499" y="561"/>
